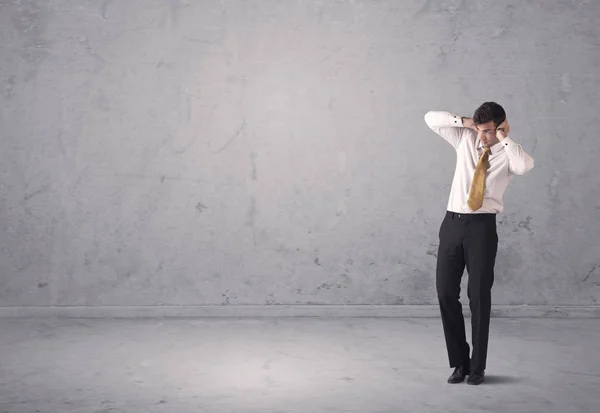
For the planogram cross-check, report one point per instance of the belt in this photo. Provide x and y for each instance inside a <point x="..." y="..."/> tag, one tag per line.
<point x="457" y="215"/>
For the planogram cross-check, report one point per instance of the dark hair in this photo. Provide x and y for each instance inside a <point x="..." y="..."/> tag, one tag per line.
<point x="489" y="111"/>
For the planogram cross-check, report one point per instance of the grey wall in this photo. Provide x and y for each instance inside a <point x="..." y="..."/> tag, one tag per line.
<point x="271" y="152"/>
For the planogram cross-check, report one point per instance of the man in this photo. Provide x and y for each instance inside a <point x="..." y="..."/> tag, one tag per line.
<point x="487" y="159"/>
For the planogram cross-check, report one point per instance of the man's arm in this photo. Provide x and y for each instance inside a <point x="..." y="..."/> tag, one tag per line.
<point x="447" y="125"/>
<point x="519" y="161"/>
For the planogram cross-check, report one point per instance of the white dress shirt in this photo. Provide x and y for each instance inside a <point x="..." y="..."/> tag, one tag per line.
<point x="506" y="159"/>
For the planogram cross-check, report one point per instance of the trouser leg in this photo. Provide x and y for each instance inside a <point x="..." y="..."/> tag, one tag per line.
<point x="481" y="245"/>
<point x="450" y="267"/>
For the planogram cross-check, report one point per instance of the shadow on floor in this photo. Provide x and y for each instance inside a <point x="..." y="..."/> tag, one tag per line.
<point x="495" y="379"/>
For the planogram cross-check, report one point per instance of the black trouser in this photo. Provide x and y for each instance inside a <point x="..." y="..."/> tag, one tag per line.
<point x="471" y="240"/>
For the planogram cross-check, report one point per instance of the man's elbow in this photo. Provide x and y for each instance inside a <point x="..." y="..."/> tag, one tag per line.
<point x="432" y="119"/>
<point x="427" y="118"/>
<point x="524" y="168"/>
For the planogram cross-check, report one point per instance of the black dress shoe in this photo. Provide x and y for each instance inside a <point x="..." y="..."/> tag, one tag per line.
<point x="476" y="377"/>
<point x="459" y="374"/>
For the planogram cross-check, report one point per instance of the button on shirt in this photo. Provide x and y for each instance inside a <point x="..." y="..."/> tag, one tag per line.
<point x="506" y="159"/>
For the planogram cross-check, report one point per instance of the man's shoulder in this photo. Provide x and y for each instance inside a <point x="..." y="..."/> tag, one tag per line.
<point x="469" y="136"/>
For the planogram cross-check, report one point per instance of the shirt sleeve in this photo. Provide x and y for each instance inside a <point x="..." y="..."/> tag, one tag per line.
<point x="519" y="161"/>
<point x="447" y="125"/>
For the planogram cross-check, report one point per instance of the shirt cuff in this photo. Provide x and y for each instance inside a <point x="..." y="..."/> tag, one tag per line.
<point x="456" y="120"/>
<point x="507" y="142"/>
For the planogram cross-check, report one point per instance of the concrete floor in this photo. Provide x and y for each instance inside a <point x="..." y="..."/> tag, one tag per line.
<point x="291" y="365"/>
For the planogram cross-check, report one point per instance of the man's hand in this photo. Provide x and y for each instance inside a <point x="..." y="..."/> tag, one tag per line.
<point x="502" y="130"/>
<point x="468" y="123"/>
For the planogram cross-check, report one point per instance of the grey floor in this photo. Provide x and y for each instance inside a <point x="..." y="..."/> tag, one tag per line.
<point x="291" y="365"/>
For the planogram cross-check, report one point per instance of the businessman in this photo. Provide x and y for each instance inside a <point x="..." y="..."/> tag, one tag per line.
<point x="487" y="159"/>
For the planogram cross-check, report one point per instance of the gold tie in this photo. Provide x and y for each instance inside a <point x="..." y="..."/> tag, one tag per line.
<point x="476" y="194"/>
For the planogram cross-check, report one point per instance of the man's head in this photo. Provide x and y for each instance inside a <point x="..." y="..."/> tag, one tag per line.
<point x="487" y="117"/>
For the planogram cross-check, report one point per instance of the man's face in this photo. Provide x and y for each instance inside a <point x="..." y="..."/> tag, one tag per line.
<point x="486" y="132"/>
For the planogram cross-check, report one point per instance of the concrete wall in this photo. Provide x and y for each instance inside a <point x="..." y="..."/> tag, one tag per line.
<point x="275" y="152"/>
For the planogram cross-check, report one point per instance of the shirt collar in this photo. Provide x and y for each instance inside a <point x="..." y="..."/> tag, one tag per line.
<point x="494" y="148"/>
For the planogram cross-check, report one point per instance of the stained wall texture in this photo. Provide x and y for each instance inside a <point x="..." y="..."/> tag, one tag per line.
<point x="275" y="152"/>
